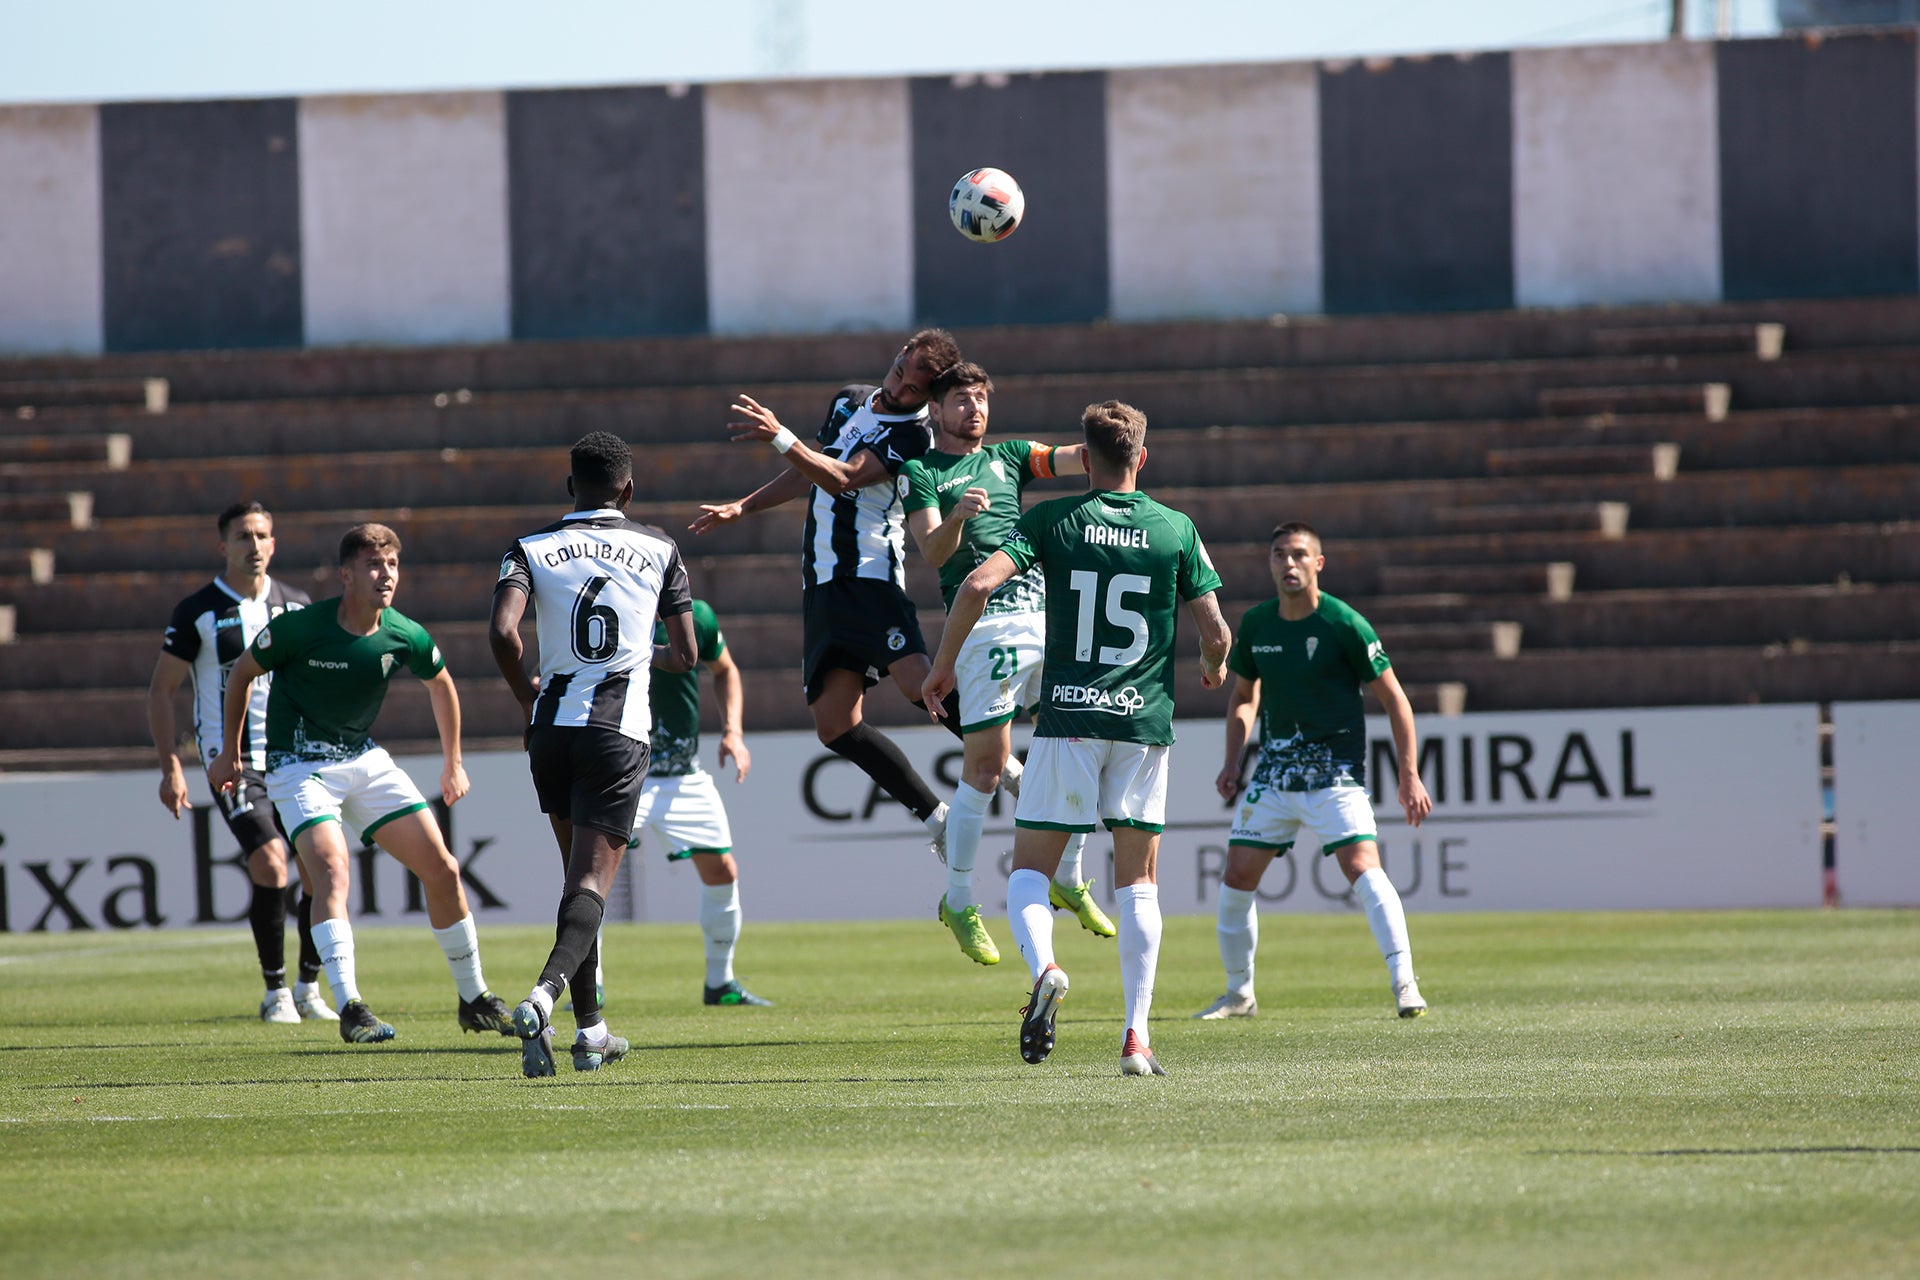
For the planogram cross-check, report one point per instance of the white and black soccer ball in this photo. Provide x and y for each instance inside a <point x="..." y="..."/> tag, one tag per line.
<point x="986" y="205"/>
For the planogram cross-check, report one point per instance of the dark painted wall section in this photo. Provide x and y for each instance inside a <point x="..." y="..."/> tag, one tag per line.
<point x="200" y="224"/>
<point x="1050" y="133"/>
<point x="606" y="198"/>
<point x="1416" y="176"/>
<point x="1817" y="167"/>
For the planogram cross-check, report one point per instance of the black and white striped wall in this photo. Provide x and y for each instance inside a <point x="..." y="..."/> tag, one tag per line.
<point x="1679" y="171"/>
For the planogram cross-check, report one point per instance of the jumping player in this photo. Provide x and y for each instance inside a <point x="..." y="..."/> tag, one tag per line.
<point x="1303" y="658"/>
<point x="859" y="624"/>
<point x="209" y="630"/>
<point x="1116" y="564"/>
<point x="598" y="581"/>
<point x="332" y="662"/>
<point x="962" y="498"/>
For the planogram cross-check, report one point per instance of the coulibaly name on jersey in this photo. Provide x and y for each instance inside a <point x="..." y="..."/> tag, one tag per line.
<point x="1104" y="535"/>
<point x="606" y="551"/>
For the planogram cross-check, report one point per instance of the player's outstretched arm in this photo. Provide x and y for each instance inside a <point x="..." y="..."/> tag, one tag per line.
<point x="968" y="604"/>
<point x="1242" y="704"/>
<point x="783" y="488"/>
<point x="755" y="423"/>
<point x="509" y="653"/>
<point x="224" y="772"/>
<point x="1216" y="639"/>
<point x="446" y="719"/>
<point x="730" y="685"/>
<point x="169" y="673"/>
<point x="1406" y="745"/>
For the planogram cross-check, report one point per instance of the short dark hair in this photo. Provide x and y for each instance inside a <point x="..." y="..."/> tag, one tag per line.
<point x="1116" y="432"/>
<point x="937" y="349"/>
<point x="240" y="511"/>
<point x="964" y="374"/>
<point x="601" y="462"/>
<point x="363" y="537"/>
<point x="1290" y="528"/>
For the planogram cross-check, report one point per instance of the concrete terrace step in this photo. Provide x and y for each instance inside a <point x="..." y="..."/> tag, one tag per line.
<point x="1607" y="518"/>
<point x="111" y="450"/>
<point x="1710" y="400"/>
<point x="1552" y="580"/>
<point x="31" y="394"/>
<point x="1703" y="676"/>
<point x="1765" y="340"/>
<point x="72" y="509"/>
<point x="1662" y="460"/>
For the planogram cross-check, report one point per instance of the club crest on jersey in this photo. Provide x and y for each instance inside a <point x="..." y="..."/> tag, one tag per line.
<point x="386" y="664"/>
<point x="1313" y="642"/>
<point x="997" y="468"/>
<point x="896" y="639"/>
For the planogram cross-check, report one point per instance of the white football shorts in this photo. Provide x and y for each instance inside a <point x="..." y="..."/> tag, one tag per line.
<point x="685" y="814"/>
<point x="1072" y="783"/>
<point x="365" y="793"/>
<point x="1271" y="819"/>
<point x="998" y="670"/>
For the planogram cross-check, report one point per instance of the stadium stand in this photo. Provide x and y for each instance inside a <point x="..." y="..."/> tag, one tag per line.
<point x="1620" y="507"/>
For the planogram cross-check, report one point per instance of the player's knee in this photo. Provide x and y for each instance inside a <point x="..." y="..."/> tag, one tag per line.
<point x="983" y="775"/>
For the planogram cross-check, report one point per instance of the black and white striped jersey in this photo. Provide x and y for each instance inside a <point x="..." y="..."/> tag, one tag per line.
<point x="862" y="534"/>
<point x="209" y="630"/>
<point x="597" y="581"/>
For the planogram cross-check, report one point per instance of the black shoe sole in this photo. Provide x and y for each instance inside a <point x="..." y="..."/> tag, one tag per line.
<point x="1036" y="1031"/>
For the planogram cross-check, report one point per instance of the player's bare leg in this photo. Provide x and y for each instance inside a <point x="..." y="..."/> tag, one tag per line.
<point x="323" y="855"/>
<point x="415" y="840"/>
<point x="1360" y="863"/>
<point x="1238" y="928"/>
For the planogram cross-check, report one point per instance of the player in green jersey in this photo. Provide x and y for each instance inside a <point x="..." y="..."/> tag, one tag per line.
<point x="1117" y="565"/>
<point x="1303" y="658"/>
<point x="331" y="663"/>
<point x="961" y="499"/>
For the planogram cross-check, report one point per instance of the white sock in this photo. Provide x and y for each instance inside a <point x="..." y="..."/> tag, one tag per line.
<point x="541" y="999"/>
<point x="305" y="990"/>
<point x="1388" y="920"/>
<point x="1031" y="918"/>
<point x="333" y="939"/>
<point x="461" y="945"/>
<point x="936" y="822"/>
<point x="1139" y="909"/>
<point x="1069" y="871"/>
<point x="595" y="1035"/>
<point x="1239" y="930"/>
<point x="720" y="922"/>
<point x="966" y="822"/>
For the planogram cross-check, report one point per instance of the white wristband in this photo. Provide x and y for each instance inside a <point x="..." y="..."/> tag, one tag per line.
<point x="785" y="440"/>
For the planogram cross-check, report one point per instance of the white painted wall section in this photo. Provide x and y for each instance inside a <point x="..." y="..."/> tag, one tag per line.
<point x="403" y="219"/>
<point x="1876" y="847"/>
<point x="809" y="206"/>
<point x="50" y="286"/>
<point x="1616" y="178"/>
<point x="1213" y="180"/>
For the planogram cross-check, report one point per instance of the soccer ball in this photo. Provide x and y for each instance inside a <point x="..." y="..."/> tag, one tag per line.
<point x="986" y="205"/>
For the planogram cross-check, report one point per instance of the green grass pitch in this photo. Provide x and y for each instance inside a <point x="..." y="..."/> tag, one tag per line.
<point x="1727" y="1094"/>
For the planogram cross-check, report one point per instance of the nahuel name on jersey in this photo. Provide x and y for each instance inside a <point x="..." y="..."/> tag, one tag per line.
<point x="1106" y="535"/>
<point x="1120" y="702"/>
<point x="607" y="551"/>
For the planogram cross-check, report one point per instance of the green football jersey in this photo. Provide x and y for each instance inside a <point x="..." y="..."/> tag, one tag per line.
<point x="674" y="698"/>
<point x="1313" y="723"/>
<point x="1117" y="566"/>
<point x="328" y="683"/>
<point x="1003" y="469"/>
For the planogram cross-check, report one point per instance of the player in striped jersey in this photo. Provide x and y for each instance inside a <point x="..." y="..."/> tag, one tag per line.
<point x="597" y="581"/>
<point x="859" y="623"/>
<point x="209" y="630"/>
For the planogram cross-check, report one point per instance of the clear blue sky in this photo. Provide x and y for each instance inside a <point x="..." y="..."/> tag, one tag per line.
<point x="87" y="50"/>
